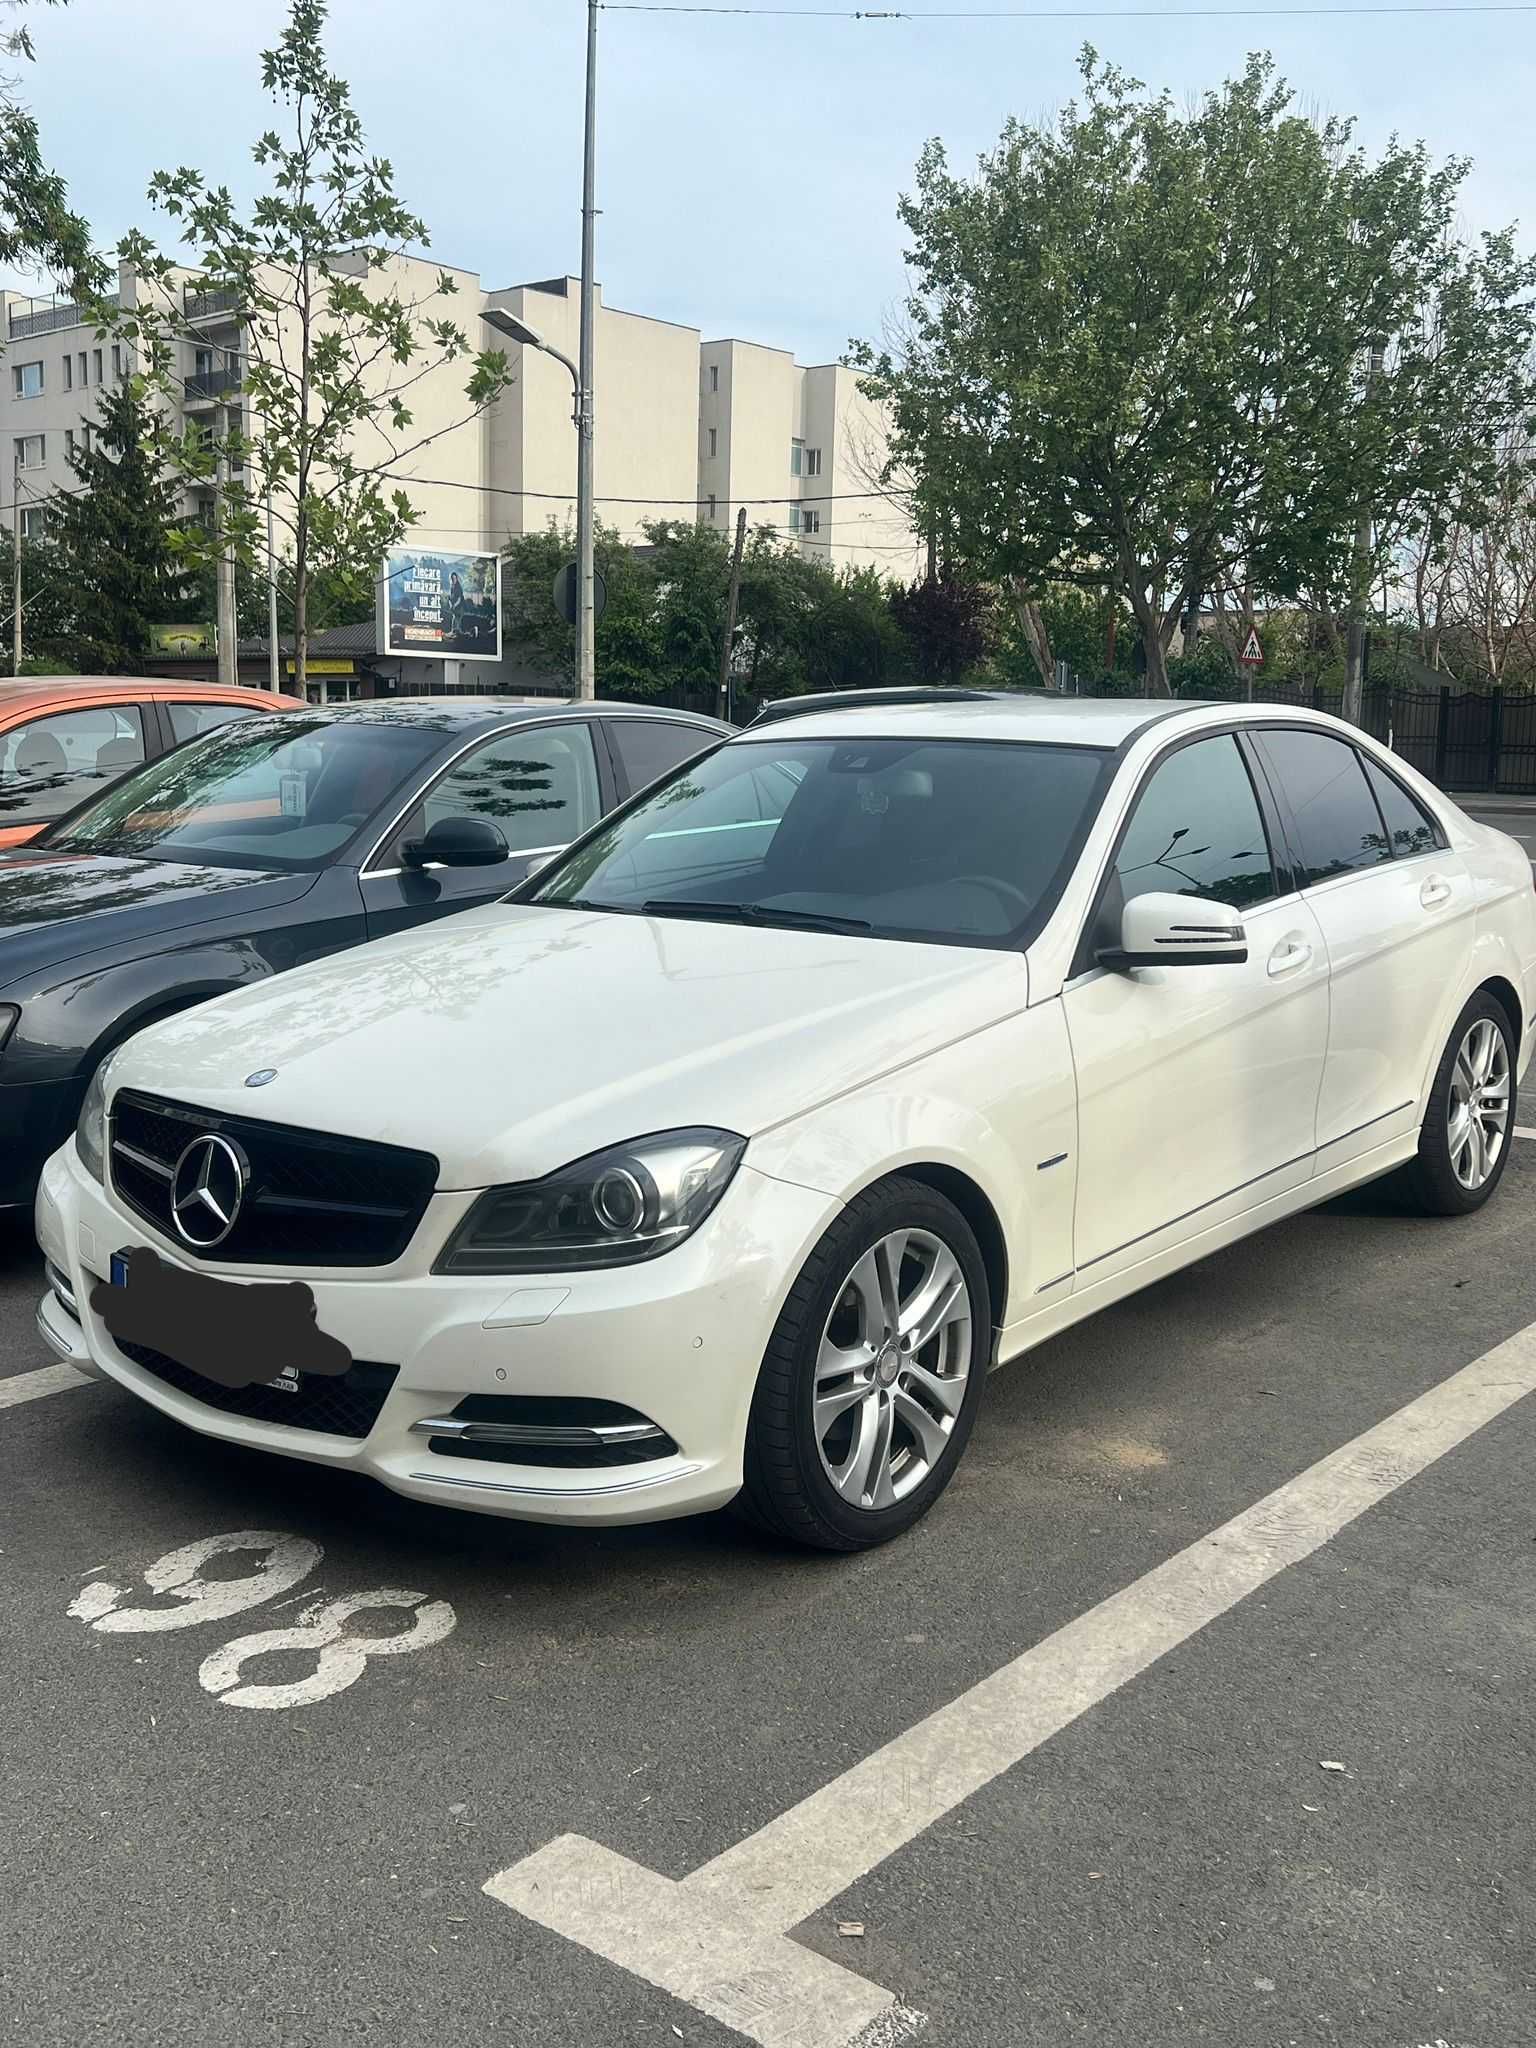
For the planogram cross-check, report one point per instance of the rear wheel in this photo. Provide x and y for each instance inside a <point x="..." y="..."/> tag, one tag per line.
<point x="871" y="1379"/>
<point x="1464" y="1141"/>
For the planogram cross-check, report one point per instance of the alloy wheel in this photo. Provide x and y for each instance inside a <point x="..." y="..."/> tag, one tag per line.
<point x="1480" y="1104"/>
<point x="892" y="1368"/>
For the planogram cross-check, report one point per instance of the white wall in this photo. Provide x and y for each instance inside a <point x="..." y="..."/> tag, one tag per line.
<point x="645" y="384"/>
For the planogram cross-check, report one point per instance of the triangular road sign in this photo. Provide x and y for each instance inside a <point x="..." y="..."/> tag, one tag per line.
<point x="1252" y="652"/>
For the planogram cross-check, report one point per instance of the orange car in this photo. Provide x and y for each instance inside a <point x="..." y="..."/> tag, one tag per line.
<point x="63" y="737"/>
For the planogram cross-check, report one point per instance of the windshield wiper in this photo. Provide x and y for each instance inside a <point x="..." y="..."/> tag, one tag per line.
<point x="813" y="920"/>
<point x="752" y="913"/>
<point x="696" y="906"/>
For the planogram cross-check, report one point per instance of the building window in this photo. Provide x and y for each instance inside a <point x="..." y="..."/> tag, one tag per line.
<point x="96" y="359"/>
<point x="714" y="376"/>
<point x="797" y="458"/>
<point x="27" y="380"/>
<point x="714" y="441"/>
<point x="794" y="518"/>
<point x="69" y="372"/>
<point x="34" y="522"/>
<point x="31" y="451"/>
<point x="71" y="444"/>
<point x="117" y="360"/>
<point x="711" y="504"/>
<point x="813" y="462"/>
<point x="810" y="522"/>
<point x="82" y="359"/>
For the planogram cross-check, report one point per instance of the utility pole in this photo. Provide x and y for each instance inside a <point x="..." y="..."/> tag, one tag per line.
<point x="586" y="616"/>
<point x="16" y="561"/>
<point x="228" y="630"/>
<point x="1354" y="651"/>
<point x="731" y="596"/>
<point x="273" y="683"/>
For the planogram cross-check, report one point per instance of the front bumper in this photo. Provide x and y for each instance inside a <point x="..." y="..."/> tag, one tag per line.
<point x="679" y="1339"/>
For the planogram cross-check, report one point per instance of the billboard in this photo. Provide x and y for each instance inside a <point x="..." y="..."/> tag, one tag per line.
<point x="183" y="640"/>
<point x="438" y="605"/>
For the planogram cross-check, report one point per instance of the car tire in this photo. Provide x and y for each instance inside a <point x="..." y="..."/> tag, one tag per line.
<point x="1454" y="1173"/>
<point x="826" y="1483"/>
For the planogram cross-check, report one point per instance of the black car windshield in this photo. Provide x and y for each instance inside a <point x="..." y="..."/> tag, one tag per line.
<point x="962" y="842"/>
<point x="285" y="792"/>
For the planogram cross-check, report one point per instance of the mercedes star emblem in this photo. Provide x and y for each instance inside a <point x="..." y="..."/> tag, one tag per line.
<point x="207" y="1190"/>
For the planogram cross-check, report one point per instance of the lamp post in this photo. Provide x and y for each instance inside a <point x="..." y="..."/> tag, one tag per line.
<point x="586" y="621"/>
<point x="581" y="379"/>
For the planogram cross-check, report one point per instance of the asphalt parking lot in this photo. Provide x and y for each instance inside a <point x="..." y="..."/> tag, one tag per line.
<point x="1306" y="1821"/>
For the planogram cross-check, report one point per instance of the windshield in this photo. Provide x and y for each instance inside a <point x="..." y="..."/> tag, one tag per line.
<point x="284" y="792"/>
<point x="956" y="841"/>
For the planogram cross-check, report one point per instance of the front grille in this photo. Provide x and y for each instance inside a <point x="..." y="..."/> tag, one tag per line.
<point x="345" y="1405"/>
<point x="312" y="1199"/>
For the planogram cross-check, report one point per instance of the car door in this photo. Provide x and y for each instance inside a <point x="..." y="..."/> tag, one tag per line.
<point x="1396" y="909"/>
<point x="540" y="784"/>
<point x="645" y="749"/>
<point x="51" y="763"/>
<point x="1197" y="1084"/>
<point x="184" y="718"/>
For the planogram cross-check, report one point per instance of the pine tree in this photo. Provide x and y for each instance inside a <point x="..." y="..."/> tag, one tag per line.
<point x="112" y="554"/>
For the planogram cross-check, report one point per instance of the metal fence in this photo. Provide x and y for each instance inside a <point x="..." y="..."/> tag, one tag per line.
<point x="1461" y="739"/>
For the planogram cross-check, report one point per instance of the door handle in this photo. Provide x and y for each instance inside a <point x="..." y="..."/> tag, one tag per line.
<point x="1436" y="890"/>
<point x="1288" y="956"/>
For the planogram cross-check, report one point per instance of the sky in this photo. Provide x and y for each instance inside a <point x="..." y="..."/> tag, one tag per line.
<point x="748" y="169"/>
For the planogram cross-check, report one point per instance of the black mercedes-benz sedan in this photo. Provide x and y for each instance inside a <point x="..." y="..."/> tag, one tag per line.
<point x="262" y="845"/>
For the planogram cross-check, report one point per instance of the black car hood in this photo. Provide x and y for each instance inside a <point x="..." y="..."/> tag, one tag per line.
<point x="54" y="906"/>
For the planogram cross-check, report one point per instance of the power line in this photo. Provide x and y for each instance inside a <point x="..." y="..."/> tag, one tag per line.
<point x="450" y="483"/>
<point x="1053" y="13"/>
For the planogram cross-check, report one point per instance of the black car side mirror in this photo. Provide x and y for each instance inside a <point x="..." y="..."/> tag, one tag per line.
<point x="457" y="843"/>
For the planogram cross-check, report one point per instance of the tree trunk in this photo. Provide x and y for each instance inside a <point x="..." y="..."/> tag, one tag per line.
<point x="1032" y="625"/>
<point x="301" y="601"/>
<point x="1151" y="629"/>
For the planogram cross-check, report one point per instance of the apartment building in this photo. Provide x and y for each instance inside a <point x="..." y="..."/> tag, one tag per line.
<point x="685" y="428"/>
<point x="802" y="449"/>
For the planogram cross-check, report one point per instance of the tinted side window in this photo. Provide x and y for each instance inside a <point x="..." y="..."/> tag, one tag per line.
<point x="1336" y="815"/>
<point x="1197" y="830"/>
<point x="49" y="764"/>
<point x="649" y="747"/>
<point x="1410" y="828"/>
<point x="188" y="720"/>
<point x="539" y="785"/>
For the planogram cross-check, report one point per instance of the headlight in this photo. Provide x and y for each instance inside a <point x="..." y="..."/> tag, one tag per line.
<point x="8" y="1015"/>
<point x="609" y="1209"/>
<point x="91" y="1129"/>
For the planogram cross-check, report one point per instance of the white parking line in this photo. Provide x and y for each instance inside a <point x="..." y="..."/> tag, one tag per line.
<point x="719" y="1937"/>
<point x="1524" y="1131"/>
<point x="31" y="1386"/>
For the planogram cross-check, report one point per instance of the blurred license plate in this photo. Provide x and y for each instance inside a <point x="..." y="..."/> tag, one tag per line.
<point x="288" y="1381"/>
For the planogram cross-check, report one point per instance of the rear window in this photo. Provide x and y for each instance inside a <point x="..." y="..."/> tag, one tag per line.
<point x="1336" y="817"/>
<point x="1410" y="829"/>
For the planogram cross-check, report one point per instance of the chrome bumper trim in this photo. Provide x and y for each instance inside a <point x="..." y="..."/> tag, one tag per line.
<point x="561" y="1436"/>
<point x="558" y="1493"/>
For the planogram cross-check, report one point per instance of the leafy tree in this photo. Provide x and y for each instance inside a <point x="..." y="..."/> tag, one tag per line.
<point x="1135" y="346"/>
<point x="332" y="348"/>
<point x="111" y="538"/>
<point x="947" y="622"/>
<point x="627" y="649"/>
<point x="36" y="225"/>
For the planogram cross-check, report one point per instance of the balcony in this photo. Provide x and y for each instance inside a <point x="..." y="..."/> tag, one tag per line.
<point x="200" y="303"/>
<point x="45" y="320"/>
<point x="211" y="387"/>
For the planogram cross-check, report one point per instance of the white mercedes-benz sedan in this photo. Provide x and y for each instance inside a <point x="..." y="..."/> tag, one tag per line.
<point x="722" y="1160"/>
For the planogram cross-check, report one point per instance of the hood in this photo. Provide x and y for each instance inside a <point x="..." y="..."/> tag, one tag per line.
<point x="54" y="906"/>
<point x="511" y="1040"/>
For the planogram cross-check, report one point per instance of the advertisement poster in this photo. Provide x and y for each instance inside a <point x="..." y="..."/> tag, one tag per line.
<point x="184" y="640"/>
<point x="441" y="605"/>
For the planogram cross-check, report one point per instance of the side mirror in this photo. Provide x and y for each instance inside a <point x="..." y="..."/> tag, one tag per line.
<point x="1160" y="930"/>
<point x="457" y="843"/>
